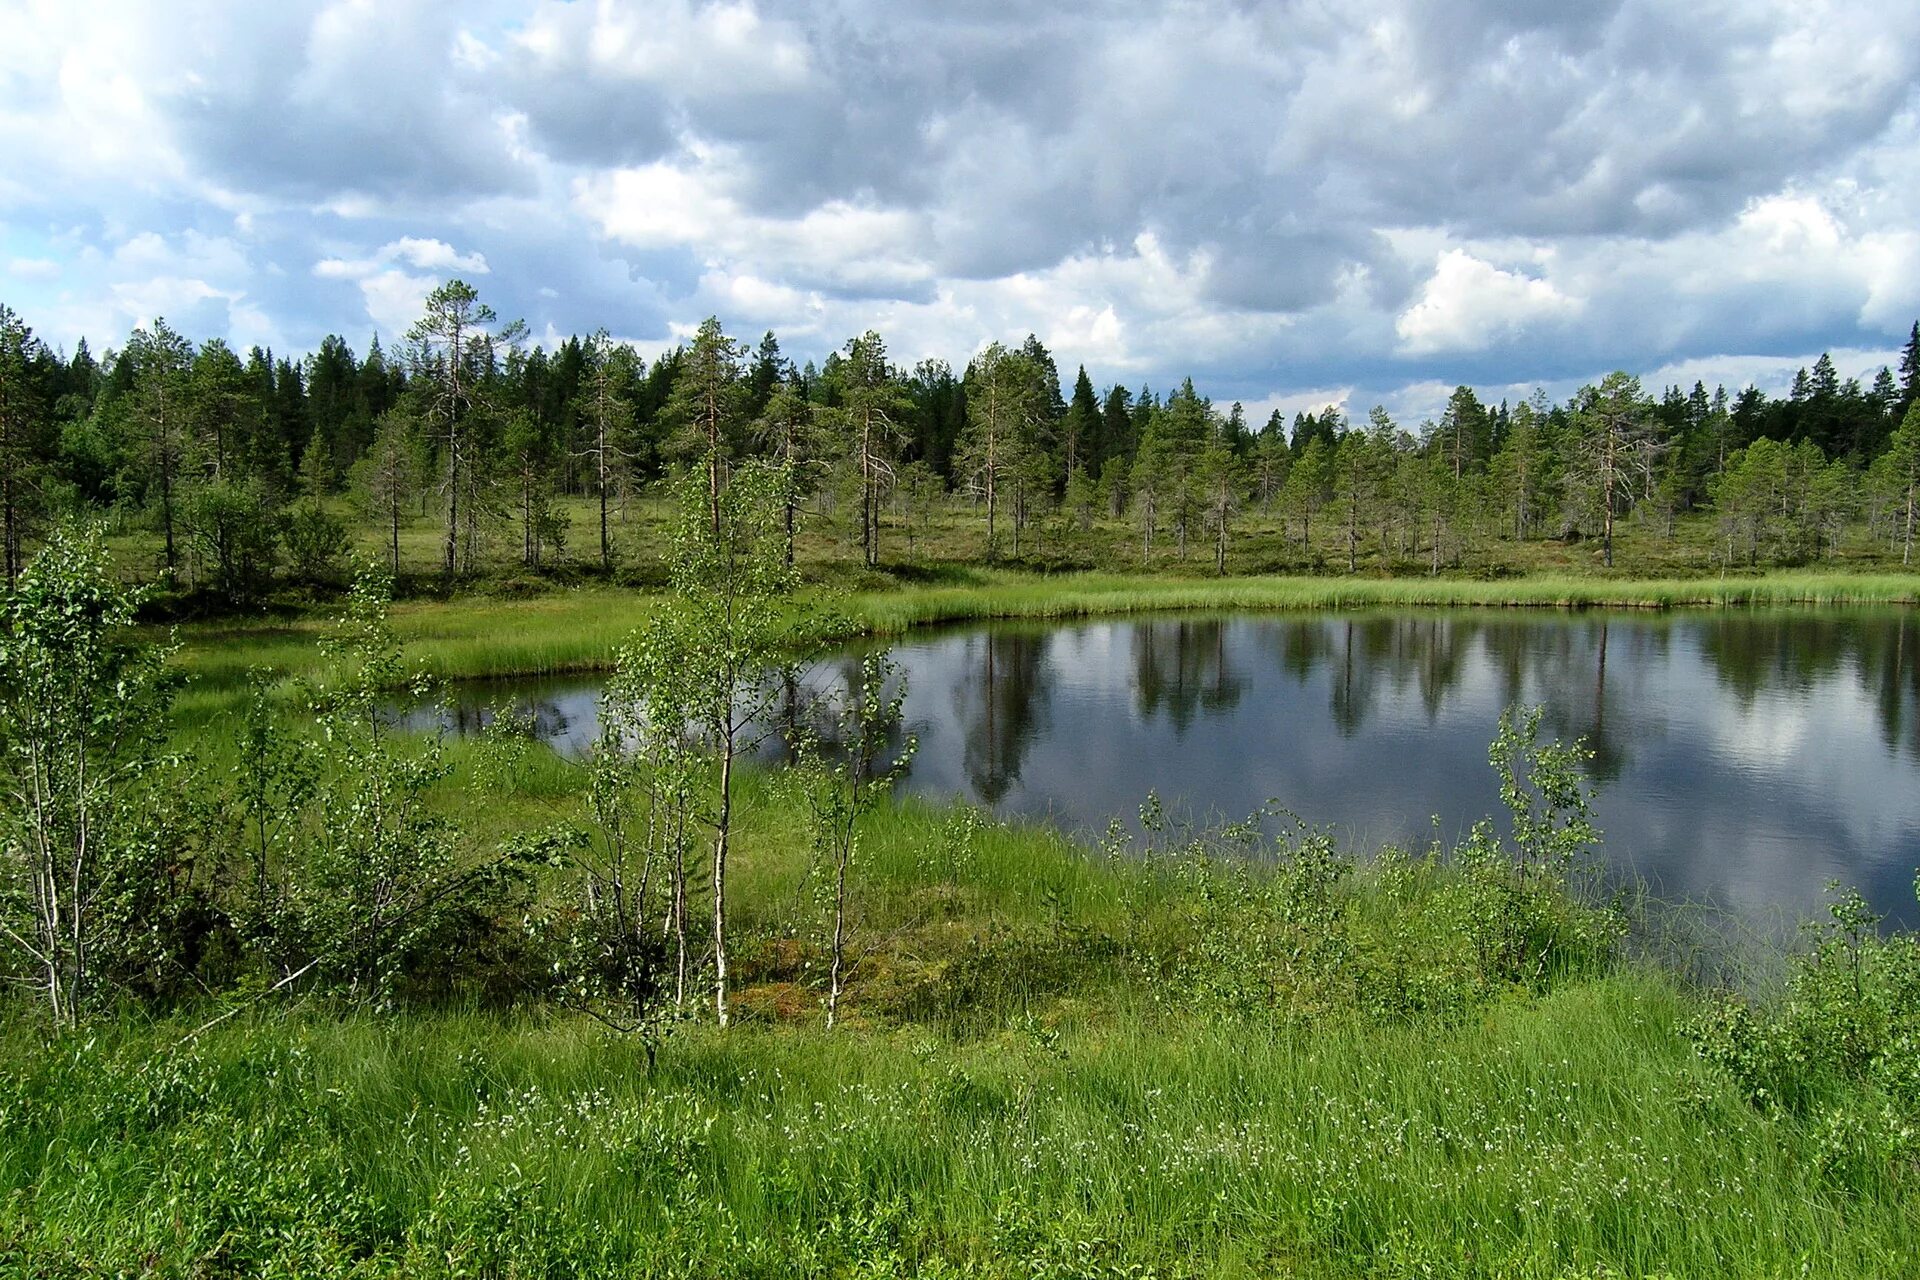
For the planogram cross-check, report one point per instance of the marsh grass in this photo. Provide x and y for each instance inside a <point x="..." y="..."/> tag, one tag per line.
<point x="1573" y="1135"/>
<point x="578" y="629"/>
<point x="1059" y="1061"/>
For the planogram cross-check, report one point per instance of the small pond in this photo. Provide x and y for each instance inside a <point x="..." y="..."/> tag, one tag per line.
<point x="1742" y="759"/>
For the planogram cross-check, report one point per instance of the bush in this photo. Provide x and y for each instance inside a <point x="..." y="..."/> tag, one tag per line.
<point x="94" y="881"/>
<point x="316" y="544"/>
<point x="233" y="539"/>
<point x="1841" y="1049"/>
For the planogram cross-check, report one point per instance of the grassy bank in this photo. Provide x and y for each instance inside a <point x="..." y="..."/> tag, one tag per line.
<point x="1053" y="1064"/>
<point x="577" y="629"/>
<point x="1571" y="1137"/>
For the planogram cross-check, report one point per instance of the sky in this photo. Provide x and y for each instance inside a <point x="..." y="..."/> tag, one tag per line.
<point x="1329" y="201"/>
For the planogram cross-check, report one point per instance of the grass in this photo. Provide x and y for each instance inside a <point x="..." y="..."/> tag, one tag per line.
<point x="578" y="629"/>
<point x="1168" y="1063"/>
<point x="1572" y="1137"/>
<point x="1058" y="1065"/>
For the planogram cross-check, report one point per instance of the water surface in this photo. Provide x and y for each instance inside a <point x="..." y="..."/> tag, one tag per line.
<point x="1741" y="758"/>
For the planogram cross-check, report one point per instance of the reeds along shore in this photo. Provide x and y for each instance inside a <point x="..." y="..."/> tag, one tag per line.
<point x="578" y="630"/>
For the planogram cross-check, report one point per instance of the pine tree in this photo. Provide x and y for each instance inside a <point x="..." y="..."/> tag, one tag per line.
<point x="1116" y="429"/>
<point x="606" y="416"/>
<point x="872" y="416"/>
<point x="451" y="348"/>
<point x="706" y="405"/>
<point x="1080" y="427"/>
<point x="1909" y="374"/>
<point x="1003" y="414"/>
<point x="389" y="474"/>
<point x="1518" y="467"/>
<point x="160" y="360"/>
<point x="1149" y="481"/>
<point x="1359" y="475"/>
<point x="22" y="419"/>
<point x="1616" y="448"/>
<point x="786" y="431"/>
<point x="1897" y="474"/>
<point x="764" y="376"/>
<point x="1221" y="479"/>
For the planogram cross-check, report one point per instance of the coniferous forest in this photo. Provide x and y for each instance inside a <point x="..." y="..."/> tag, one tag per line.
<point x="463" y="451"/>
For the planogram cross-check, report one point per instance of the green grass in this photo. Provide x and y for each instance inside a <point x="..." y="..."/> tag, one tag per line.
<point x="1108" y="1122"/>
<point x="1571" y="1137"/>
<point x="578" y="629"/>
<point x="1090" y="594"/>
<point x="1052" y="1064"/>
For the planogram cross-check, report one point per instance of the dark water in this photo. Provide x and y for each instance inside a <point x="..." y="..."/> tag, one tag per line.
<point x="1741" y="759"/>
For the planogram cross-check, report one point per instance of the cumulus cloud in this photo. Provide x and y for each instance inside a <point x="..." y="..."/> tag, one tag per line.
<point x="396" y="296"/>
<point x="1469" y="303"/>
<point x="1376" y="197"/>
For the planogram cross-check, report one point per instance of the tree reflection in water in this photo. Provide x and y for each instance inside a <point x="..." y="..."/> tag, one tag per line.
<point x="1746" y="755"/>
<point x="1002" y="706"/>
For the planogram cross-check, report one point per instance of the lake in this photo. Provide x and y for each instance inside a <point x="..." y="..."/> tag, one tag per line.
<point x="1741" y="759"/>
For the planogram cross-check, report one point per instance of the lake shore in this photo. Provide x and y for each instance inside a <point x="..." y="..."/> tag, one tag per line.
<point x="578" y="629"/>
<point x="1052" y="1063"/>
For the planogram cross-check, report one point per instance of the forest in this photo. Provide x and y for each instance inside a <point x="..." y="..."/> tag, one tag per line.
<point x="463" y="451"/>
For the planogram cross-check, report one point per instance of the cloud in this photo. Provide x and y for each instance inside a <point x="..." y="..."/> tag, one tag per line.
<point x="1381" y="196"/>
<point x="396" y="297"/>
<point x="1469" y="304"/>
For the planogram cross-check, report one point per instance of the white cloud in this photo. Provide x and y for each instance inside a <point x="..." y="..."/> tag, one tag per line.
<point x="1469" y="304"/>
<point x="435" y="255"/>
<point x="420" y="254"/>
<point x="695" y="205"/>
<point x="396" y="297"/>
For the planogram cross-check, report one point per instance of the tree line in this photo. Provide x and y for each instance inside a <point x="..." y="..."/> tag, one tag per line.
<point x="239" y="464"/>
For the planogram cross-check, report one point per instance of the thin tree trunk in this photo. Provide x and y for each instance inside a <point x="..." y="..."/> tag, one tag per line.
<point x="721" y="833"/>
<point x="453" y="506"/>
<point x="166" y="507"/>
<point x="992" y="499"/>
<point x="1353" y="537"/>
<point x="839" y="931"/>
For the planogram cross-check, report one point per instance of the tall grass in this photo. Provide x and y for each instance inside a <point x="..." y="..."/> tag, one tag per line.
<point x="1052" y="1063"/>
<point x="1085" y="595"/>
<point x="1575" y="1136"/>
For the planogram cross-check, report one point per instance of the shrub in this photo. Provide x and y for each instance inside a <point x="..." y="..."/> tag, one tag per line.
<point x="316" y="544"/>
